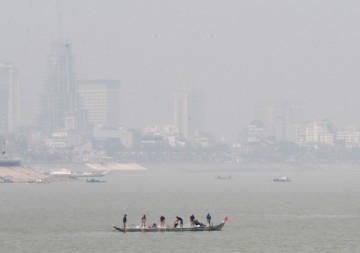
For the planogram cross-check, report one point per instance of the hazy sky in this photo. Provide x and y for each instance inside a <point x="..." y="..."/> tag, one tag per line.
<point x="239" y="53"/>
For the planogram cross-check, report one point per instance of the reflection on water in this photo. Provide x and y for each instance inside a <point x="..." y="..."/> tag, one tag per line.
<point x="317" y="212"/>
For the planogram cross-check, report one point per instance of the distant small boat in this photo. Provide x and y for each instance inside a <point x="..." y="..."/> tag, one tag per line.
<point x="93" y="180"/>
<point x="92" y="174"/>
<point x="220" y="177"/>
<point x="282" y="179"/>
<point x="6" y="180"/>
<point x="38" y="181"/>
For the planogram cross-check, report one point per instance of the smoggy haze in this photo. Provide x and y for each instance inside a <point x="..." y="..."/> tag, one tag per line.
<point x="238" y="53"/>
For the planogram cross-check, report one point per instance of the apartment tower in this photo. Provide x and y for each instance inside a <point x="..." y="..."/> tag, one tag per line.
<point x="59" y="101"/>
<point x="8" y="98"/>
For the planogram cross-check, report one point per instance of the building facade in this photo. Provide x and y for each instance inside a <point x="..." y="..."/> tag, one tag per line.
<point x="320" y="132"/>
<point x="188" y="112"/>
<point x="282" y="119"/>
<point x="100" y="100"/>
<point x="350" y="136"/>
<point x="59" y="100"/>
<point x="255" y="131"/>
<point x="8" y="98"/>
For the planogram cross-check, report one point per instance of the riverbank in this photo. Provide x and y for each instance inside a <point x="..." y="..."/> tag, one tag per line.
<point x="21" y="174"/>
<point x="218" y="167"/>
<point x="32" y="172"/>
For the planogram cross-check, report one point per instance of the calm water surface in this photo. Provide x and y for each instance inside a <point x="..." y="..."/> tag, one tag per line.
<point x="319" y="211"/>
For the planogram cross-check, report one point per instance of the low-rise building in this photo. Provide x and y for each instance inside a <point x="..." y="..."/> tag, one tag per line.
<point x="350" y="136"/>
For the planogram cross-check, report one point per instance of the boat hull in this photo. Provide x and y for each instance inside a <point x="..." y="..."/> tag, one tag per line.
<point x="191" y="229"/>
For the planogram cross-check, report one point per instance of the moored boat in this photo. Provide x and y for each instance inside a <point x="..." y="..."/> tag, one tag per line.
<point x="91" y="174"/>
<point x="93" y="180"/>
<point x="218" y="227"/>
<point x="221" y="177"/>
<point x="281" y="179"/>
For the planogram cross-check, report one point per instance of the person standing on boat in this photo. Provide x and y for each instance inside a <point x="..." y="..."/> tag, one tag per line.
<point x="192" y="219"/>
<point x="176" y="223"/>
<point x="143" y="221"/>
<point x="179" y="220"/>
<point x="124" y="222"/>
<point x="208" y="218"/>
<point x="162" y="221"/>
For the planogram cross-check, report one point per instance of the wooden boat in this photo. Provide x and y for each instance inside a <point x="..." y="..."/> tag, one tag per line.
<point x="218" y="227"/>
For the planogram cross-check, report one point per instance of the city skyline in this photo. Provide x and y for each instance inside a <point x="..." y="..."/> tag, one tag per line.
<point x="276" y="119"/>
<point x="239" y="55"/>
<point x="282" y="110"/>
<point x="245" y="112"/>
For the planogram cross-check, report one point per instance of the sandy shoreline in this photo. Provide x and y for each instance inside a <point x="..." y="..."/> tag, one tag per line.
<point x="21" y="174"/>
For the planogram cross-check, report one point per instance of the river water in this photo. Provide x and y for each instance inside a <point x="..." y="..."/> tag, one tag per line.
<point x="319" y="211"/>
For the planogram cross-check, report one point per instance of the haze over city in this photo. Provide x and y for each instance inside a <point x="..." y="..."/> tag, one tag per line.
<point x="239" y="54"/>
<point x="234" y="118"/>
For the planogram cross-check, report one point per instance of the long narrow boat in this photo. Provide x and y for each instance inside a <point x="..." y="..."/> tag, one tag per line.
<point x="167" y="229"/>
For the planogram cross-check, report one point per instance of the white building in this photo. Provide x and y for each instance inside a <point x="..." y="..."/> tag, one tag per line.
<point x="161" y="130"/>
<point x="319" y="132"/>
<point x="350" y="136"/>
<point x="169" y="133"/>
<point x="61" y="172"/>
<point x="8" y="97"/>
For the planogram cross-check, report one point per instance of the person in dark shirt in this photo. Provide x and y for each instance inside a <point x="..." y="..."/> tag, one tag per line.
<point x="179" y="220"/>
<point x="124" y="222"/>
<point x="162" y="221"/>
<point x="208" y="218"/>
<point x="143" y="221"/>
<point x="192" y="218"/>
<point x="176" y="223"/>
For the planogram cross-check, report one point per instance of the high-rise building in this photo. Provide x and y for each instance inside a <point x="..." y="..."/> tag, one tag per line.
<point x="8" y="98"/>
<point x="282" y="120"/>
<point x="181" y="106"/>
<point x="59" y="100"/>
<point x="188" y="112"/>
<point x="100" y="99"/>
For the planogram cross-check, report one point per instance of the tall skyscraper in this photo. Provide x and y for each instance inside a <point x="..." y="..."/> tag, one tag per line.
<point x="59" y="100"/>
<point x="188" y="112"/>
<point x="8" y="98"/>
<point x="100" y="99"/>
<point x="181" y="113"/>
